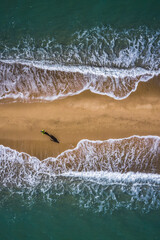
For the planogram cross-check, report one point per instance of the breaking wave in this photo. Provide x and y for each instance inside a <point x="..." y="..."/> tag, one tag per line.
<point x="98" y="47"/>
<point x="33" y="81"/>
<point x="101" y="60"/>
<point x="101" y="175"/>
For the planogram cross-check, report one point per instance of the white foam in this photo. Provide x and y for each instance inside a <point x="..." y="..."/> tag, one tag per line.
<point x="99" y="46"/>
<point x="116" y="177"/>
<point x="99" y="71"/>
<point x="30" y="80"/>
<point x="89" y="158"/>
<point x="111" y="62"/>
<point x="75" y="173"/>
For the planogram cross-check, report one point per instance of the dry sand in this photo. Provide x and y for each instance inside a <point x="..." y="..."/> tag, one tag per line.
<point x="85" y="116"/>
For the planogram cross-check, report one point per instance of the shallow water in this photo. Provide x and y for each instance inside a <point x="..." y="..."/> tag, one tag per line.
<point x="88" y="191"/>
<point x="101" y="189"/>
<point x="64" y="49"/>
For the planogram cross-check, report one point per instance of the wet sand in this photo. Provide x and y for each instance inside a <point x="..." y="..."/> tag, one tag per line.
<point x="84" y="116"/>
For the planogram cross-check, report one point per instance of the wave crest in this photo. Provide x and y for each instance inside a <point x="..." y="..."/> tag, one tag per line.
<point x="98" y="47"/>
<point x="97" y="174"/>
<point x="103" y="60"/>
<point x="134" y="154"/>
<point x="36" y="81"/>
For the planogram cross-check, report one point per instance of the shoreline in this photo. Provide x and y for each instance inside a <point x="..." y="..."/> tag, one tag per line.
<point x="84" y="116"/>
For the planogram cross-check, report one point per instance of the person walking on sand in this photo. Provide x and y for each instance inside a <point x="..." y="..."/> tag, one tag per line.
<point x="52" y="138"/>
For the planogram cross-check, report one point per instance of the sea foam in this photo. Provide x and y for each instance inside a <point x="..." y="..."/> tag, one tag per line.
<point x="103" y="60"/>
<point x="36" y="81"/>
<point x="103" y="175"/>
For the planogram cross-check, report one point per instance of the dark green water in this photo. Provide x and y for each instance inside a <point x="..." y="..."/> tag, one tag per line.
<point x="100" y="190"/>
<point x="117" y="34"/>
<point x="61" y="221"/>
<point x="61" y="18"/>
<point x="112" y="44"/>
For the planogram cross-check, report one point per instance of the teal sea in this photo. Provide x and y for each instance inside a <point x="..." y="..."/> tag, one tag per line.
<point x="101" y="189"/>
<point x="53" y="49"/>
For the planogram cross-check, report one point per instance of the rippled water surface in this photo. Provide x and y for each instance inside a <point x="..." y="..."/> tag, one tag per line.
<point x="101" y="189"/>
<point x="53" y="49"/>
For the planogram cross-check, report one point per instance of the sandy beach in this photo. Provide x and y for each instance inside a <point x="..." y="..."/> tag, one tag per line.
<point x="84" y="116"/>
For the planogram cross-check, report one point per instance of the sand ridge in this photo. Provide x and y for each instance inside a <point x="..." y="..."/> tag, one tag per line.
<point x="84" y="116"/>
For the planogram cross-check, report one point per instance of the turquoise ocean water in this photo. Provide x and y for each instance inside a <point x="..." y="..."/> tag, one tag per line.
<point x="100" y="190"/>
